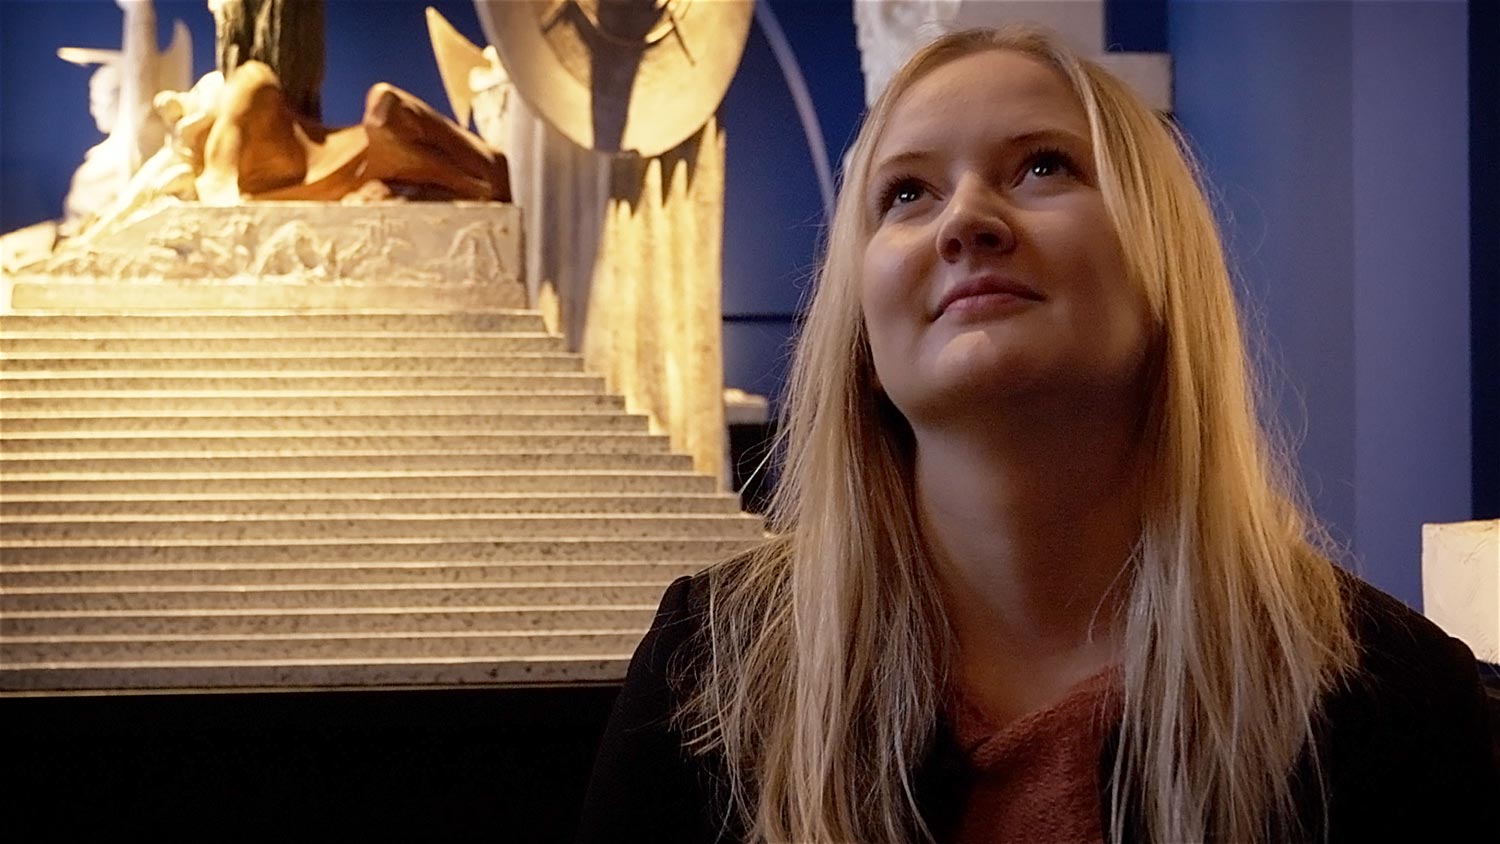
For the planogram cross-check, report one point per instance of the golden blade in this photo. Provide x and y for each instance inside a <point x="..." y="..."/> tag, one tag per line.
<point x="456" y="57"/>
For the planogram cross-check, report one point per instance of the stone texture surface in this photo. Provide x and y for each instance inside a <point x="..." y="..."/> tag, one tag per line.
<point x="307" y="499"/>
<point x="388" y="483"/>
<point x="332" y="442"/>
<point x="22" y="506"/>
<point x="520" y="362"/>
<point x="276" y="402"/>
<point x="250" y="675"/>
<point x="281" y="574"/>
<point x="341" y="621"/>
<point x="375" y="550"/>
<point x="188" y="256"/>
<point x="625" y="260"/>
<point x="1461" y="582"/>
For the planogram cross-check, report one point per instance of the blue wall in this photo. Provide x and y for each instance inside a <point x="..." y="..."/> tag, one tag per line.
<point x="1484" y="255"/>
<point x="773" y="212"/>
<point x="1263" y="92"/>
<point x="1411" y="263"/>
<point x="1335" y="135"/>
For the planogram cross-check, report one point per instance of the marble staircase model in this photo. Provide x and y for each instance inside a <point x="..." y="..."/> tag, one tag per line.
<point x="303" y="499"/>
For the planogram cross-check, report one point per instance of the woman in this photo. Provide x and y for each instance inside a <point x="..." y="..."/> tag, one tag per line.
<point x="1036" y="574"/>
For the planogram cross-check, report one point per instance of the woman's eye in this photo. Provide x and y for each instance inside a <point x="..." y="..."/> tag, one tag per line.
<point x="902" y="192"/>
<point x="1048" y="163"/>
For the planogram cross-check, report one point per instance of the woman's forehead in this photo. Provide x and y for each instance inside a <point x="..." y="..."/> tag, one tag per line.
<point x="994" y="91"/>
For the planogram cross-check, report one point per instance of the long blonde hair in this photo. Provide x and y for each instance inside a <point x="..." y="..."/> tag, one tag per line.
<point x="826" y="646"/>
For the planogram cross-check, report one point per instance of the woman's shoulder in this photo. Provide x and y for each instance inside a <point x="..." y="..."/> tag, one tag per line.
<point x="647" y="783"/>
<point x="1400" y="651"/>
<point x="675" y="649"/>
<point x="1407" y="670"/>
<point x="1405" y="736"/>
<point x="677" y="639"/>
<point x="679" y="622"/>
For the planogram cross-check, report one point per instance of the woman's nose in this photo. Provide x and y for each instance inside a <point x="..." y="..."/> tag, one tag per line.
<point x="973" y="225"/>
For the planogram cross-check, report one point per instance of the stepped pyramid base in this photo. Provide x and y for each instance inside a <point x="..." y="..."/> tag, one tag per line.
<point x="342" y="499"/>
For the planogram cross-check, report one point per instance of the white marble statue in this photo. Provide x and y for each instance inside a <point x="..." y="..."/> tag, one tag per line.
<point x="171" y="172"/>
<point x="121" y="94"/>
<point x="889" y="31"/>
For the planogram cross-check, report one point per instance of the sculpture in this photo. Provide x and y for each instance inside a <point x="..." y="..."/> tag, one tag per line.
<point x="246" y="134"/>
<point x="889" y="31"/>
<point x="284" y="35"/>
<point x="605" y="110"/>
<point x="635" y="76"/>
<point x="260" y="148"/>
<point x="268" y="141"/>
<point x="203" y="221"/>
<point x="120" y="101"/>
<point x="470" y="73"/>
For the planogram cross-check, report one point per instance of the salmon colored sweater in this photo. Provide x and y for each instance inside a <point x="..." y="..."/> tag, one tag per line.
<point x="1036" y="779"/>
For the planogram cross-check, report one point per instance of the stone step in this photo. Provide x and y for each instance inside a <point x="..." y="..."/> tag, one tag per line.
<point x="171" y="402"/>
<point x="272" y="574"/>
<point x="70" y="384"/>
<point x="330" y="621"/>
<point x="21" y="651"/>
<point x="323" y="596"/>
<point x="193" y="421"/>
<point x="278" y="674"/>
<point x="282" y="503"/>
<point x="210" y="322"/>
<point x="240" y="527"/>
<point x="256" y="499"/>
<point x="381" y="482"/>
<point x="491" y="549"/>
<point x="290" y="343"/>
<point x="275" y="442"/>
<point x="351" y="461"/>
<point x="187" y="297"/>
<point x="100" y="365"/>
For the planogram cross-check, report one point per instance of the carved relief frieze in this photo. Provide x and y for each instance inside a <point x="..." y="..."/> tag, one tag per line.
<point x="303" y="243"/>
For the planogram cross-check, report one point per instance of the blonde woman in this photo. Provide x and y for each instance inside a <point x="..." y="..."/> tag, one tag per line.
<point x="1037" y="574"/>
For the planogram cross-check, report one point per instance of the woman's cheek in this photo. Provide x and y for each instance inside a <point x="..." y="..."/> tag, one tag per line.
<point x="894" y="271"/>
<point x="881" y="295"/>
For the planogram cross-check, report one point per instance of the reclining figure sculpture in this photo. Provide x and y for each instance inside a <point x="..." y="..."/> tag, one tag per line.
<point x="260" y="148"/>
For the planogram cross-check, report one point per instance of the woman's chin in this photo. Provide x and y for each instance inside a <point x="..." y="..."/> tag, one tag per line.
<point x="975" y="365"/>
<point x="968" y="393"/>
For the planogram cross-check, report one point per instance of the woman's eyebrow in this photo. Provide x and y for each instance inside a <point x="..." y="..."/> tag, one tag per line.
<point x="1050" y="135"/>
<point x="900" y="159"/>
<point x="1062" y="137"/>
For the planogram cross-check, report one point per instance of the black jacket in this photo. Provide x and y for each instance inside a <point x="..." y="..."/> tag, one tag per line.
<point x="1405" y="745"/>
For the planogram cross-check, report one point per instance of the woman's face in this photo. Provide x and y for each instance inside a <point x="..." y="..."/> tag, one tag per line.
<point x="993" y="272"/>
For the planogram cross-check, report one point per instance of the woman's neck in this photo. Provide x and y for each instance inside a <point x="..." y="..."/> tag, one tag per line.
<point x="1031" y="529"/>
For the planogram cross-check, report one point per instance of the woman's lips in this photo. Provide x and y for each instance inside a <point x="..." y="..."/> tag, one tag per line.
<point x="986" y="293"/>
<point x="984" y="304"/>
